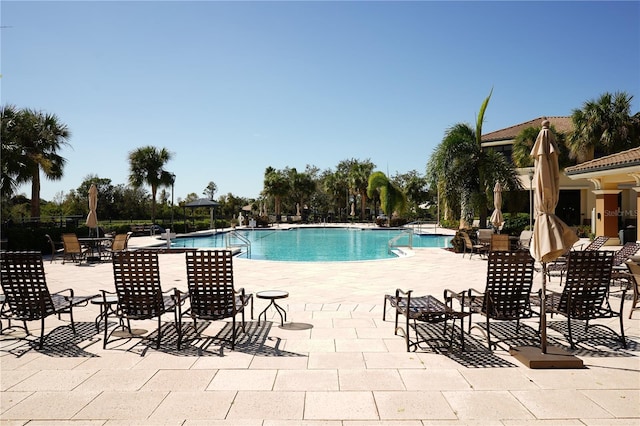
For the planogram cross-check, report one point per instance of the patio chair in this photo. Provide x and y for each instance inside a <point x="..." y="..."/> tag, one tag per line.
<point x="634" y="283"/>
<point x="471" y="248"/>
<point x="140" y="296"/>
<point x="212" y="294"/>
<point x="585" y="296"/>
<point x="27" y="297"/>
<point x="484" y="236"/>
<point x="119" y="244"/>
<point x="524" y="241"/>
<point x="559" y="266"/>
<point x="507" y="292"/>
<point x="500" y="242"/>
<point x="421" y="309"/>
<point x="72" y="249"/>
<point x="54" y="248"/>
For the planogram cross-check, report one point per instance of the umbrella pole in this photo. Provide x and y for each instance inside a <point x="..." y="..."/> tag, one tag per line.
<point x="543" y="310"/>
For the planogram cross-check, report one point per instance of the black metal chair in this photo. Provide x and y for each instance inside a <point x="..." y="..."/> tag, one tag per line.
<point x="507" y="292"/>
<point x="140" y="296"/>
<point x="27" y="297"/>
<point x="585" y="296"/>
<point x="212" y="295"/>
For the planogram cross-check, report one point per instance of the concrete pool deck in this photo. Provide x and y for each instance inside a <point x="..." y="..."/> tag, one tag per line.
<point x="335" y="363"/>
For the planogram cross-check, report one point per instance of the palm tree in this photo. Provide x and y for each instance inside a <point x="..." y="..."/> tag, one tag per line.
<point x="146" y="166"/>
<point x="30" y="144"/>
<point x="392" y="199"/>
<point x="277" y="186"/>
<point x="604" y="124"/>
<point x="521" y="154"/>
<point x="302" y="186"/>
<point x="465" y="173"/>
<point x="358" y="176"/>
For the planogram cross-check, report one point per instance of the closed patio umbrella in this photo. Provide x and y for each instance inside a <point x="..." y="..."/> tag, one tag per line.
<point x="496" y="217"/>
<point x="551" y="236"/>
<point x="92" y="217"/>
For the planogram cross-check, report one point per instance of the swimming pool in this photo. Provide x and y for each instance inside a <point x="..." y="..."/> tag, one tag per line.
<point x="316" y="244"/>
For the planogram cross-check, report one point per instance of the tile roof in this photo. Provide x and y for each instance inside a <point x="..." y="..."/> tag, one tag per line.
<point x="626" y="158"/>
<point x="561" y="124"/>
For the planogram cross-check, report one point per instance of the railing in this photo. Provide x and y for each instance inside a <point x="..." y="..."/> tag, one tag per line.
<point x="423" y="226"/>
<point x="243" y="242"/>
<point x="393" y="243"/>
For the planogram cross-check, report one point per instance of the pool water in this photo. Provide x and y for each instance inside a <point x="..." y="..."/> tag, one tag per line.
<point x="316" y="244"/>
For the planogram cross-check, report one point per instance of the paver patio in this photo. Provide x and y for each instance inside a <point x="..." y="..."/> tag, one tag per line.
<point x="334" y="363"/>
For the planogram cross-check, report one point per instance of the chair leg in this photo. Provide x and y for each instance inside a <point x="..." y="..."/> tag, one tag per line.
<point x="233" y="333"/>
<point x="384" y="308"/>
<point x="622" y="338"/>
<point x="41" y="333"/>
<point x="159" y="333"/>
<point x="573" y="346"/>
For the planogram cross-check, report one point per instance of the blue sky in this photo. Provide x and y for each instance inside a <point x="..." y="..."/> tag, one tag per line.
<point x="231" y="88"/>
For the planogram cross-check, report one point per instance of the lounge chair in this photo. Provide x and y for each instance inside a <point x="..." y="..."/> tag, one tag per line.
<point x="585" y="296"/>
<point x="72" y="249"/>
<point x="27" y="297"/>
<point x="500" y="242"/>
<point x="421" y="309"/>
<point x="506" y="296"/>
<point x="212" y="293"/>
<point x="140" y="296"/>
<point x="471" y="248"/>
<point x="559" y="266"/>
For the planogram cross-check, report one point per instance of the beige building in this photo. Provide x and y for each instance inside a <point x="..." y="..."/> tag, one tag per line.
<point x="603" y="193"/>
<point x="615" y="187"/>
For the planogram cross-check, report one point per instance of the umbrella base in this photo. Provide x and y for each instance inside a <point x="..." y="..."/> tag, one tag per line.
<point x="557" y="358"/>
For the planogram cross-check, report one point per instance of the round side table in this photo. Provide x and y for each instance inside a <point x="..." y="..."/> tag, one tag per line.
<point x="106" y="307"/>
<point x="272" y="296"/>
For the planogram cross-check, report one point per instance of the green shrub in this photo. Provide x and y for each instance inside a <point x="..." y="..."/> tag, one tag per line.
<point x="515" y="223"/>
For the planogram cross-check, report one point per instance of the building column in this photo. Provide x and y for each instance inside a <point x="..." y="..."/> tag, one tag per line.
<point x="607" y="212"/>
<point x="637" y="190"/>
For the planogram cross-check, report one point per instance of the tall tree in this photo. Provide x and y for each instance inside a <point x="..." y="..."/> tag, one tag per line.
<point x="604" y="124"/>
<point x="302" y="186"/>
<point x="276" y="185"/>
<point x="465" y="173"/>
<point x="30" y="144"/>
<point x="210" y="190"/>
<point x="359" y="172"/>
<point x="392" y="199"/>
<point x="522" y="145"/>
<point x="146" y="166"/>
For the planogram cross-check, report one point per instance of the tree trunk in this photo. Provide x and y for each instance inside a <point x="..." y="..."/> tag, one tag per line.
<point x="35" y="194"/>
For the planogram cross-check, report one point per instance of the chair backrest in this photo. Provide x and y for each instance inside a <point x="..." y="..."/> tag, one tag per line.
<point x="509" y="282"/>
<point x="137" y="280"/>
<point x="597" y="243"/>
<point x="210" y="280"/>
<point x="71" y="243"/>
<point x="587" y="283"/>
<point x="500" y="242"/>
<point x="119" y="243"/>
<point x="484" y="236"/>
<point x="24" y="285"/>
<point x="627" y="250"/>
<point x="524" y="241"/>
<point x="126" y="243"/>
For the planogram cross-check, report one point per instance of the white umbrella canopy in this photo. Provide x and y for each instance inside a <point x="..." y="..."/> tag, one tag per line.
<point x="551" y="236"/>
<point x="92" y="217"/>
<point x="497" y="220"/>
